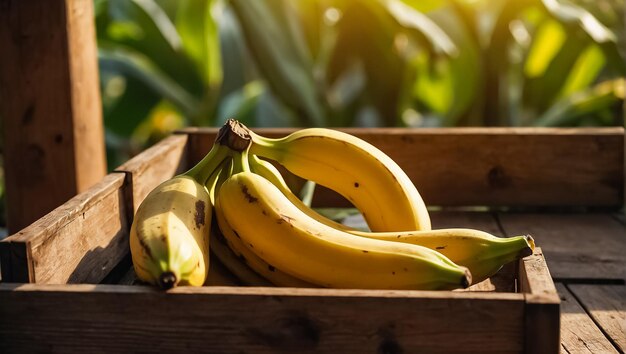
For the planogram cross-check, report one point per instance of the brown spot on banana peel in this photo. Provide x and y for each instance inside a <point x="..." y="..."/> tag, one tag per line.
<point x="440" y="247"/>
<point x="356" y="184"/>
<point x="249" y="197"/>
<point x="146" y="249"/>
<point x="199" y="216"/>
<point x="284" y="218"/>
<point x="271" y="268"/>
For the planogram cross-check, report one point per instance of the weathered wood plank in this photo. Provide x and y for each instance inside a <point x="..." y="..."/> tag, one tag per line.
<point x="133" y="318"/>
<point x="542" y="305"/>
<point x="153" y="166"/>
<point x="490" y="166"/>
<point x="78" y="242"/>
<point x="576" y="246"/>
<point x="579" y="334"/>
<point x="50" y="105"/>
<point x="606" y="304"/>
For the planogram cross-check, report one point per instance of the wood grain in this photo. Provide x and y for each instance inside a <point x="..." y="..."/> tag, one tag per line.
<point x="50" y="105"/>
<point x="579" y="334"/>
<point x="113" y="318"/>
<point x="542" y="319"/>
<point x="153" y="166"/>
<point x="606" y="304"/>
<point x="78" y="242"/>
<point x="492" y="166"/>
<point x="577" y="246"/>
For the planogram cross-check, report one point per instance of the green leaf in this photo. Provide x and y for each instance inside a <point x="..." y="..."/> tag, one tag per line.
<point x="570" y="14"/>
<point x="547" y="41"/>
<point x="585" y="71"/>
<point x="571" y="110"/>
<point x="129" y="110"/>
<point x="414" y="20"/>
<point x="142" y="26"/>
<point x="279" y="58"/>
<point x="456" y="80"/>
<point x="369" y="36"/>
<point x="241" y="104"/>
<point x="196" y="22"/>
<point x="142" y="69"/>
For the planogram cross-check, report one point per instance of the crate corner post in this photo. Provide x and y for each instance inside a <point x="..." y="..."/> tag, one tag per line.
<point x="50" y="105"/>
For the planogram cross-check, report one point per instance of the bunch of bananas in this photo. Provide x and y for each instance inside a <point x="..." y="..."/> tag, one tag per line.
<point x="237" y="202"/>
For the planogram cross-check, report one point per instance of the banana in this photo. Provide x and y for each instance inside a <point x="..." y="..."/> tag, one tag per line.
<point x="284" y="236"/>
<point x="234" y="264"/>
<point x="359" y="171"/>
<point x="270" y="172"/>
<point x="169" y="237"/>
<point x="242" y="261"/>
<point x="484" y="254"/>
<point x="273" y="274"/>
<point x="481" y="252"/>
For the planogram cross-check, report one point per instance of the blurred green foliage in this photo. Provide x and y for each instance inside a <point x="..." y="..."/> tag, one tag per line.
<point x="167" y="64"/>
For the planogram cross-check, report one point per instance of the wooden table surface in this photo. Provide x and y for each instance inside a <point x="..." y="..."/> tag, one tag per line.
<point x="586" y="255"/>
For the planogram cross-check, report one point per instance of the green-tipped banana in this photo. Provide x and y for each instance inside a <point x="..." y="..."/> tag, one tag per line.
<point x="484" y="254"/>
<point x="481" y="252"/>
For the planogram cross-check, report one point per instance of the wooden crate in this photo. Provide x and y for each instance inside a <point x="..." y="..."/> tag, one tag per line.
<point x="53" y="298"/>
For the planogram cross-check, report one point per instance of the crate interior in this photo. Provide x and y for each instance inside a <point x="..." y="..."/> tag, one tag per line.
<point x="485" y="179"/>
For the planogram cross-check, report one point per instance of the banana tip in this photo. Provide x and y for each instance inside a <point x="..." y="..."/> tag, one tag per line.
<point x="167" y="280"/>
<point x="466" y="280"/>
<point x="531" y="242"/>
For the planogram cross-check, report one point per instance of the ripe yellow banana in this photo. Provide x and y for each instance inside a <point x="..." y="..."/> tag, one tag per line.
<point x="234" y="264"/>
<point x="270" y="172"/>
<point x="273" y="274"/>
<point x="244" y="263"/>
<point x="482" y="253"/>
<point x="282" y="235"/>
<point x="359" y="171"/>
<point x="169" y="237"/>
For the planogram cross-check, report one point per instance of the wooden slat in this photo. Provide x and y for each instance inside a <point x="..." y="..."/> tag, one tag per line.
<point x="493" y="166"/>
<point x="78" y="242"/>
<point x="50" y="105"/>
<point x="113" y="318"/>
<point x="576" y="246"/>
<point x="579" y="334"/>
<point x="542" y="305"/>
<point x="607" y="306"/>
<point x="153" y="166"/>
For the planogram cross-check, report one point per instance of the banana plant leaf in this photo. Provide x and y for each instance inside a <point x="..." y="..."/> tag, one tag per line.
<point x="279" y="58"/>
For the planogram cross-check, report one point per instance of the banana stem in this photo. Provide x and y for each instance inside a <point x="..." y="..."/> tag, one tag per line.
<point x="240" y="161"/>
<point x="203" y="169"/>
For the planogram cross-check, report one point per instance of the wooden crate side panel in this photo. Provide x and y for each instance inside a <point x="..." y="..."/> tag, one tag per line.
<point x="491" y="166"/>
<point x="153" y="166"/>
<point x="79" y="242"/>
<point x="257" y="320"/>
